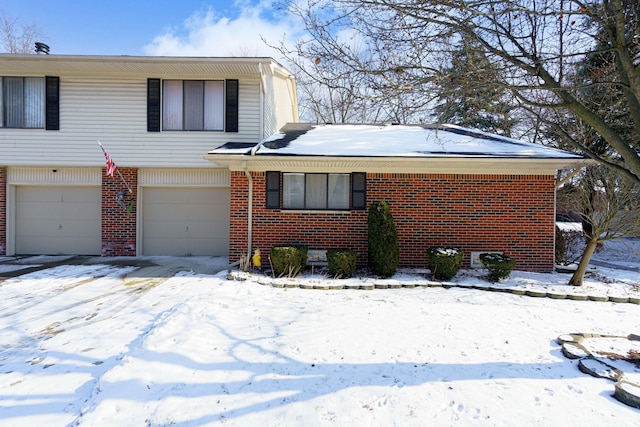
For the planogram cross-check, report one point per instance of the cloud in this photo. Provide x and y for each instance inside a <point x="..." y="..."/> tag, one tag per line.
<point x="208" y="33"/>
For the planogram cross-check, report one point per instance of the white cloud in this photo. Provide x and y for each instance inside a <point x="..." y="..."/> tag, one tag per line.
<point x="207" y="33"/>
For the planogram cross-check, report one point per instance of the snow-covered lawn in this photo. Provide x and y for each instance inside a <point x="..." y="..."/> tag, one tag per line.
<point x="79" y="347"/>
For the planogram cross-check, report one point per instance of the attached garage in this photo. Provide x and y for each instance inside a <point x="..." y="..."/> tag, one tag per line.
<point x="57" y="220"/>
<point x="184" y="221"/>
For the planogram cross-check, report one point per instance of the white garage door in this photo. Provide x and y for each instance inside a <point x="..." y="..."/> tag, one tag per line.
<point x="185" y="221"/>
<point x="58" y="220"/>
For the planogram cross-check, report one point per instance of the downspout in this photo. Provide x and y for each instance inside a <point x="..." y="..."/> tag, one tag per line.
<point x="247" y="173"/>
<point x="249" y="211"/>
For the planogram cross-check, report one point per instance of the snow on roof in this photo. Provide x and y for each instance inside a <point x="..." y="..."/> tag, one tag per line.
<point x="396" y="141"/>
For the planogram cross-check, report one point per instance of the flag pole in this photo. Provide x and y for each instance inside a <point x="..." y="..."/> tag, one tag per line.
<point x="125" y="182"/>
<point x="117" y="169"/>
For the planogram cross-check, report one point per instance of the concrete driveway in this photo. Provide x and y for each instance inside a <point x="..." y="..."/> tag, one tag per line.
<point x="147" y="268"/>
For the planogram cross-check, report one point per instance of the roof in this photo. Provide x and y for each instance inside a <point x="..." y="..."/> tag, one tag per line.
<point x="149" y="66"/>
<point x="378" y="147"/>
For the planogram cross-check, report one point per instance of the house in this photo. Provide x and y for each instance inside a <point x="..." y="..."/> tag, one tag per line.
<point x="312" y="184"/>
<point x="156" y="118"/>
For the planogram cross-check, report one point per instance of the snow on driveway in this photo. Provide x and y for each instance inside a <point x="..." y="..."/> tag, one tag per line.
<point x="79" y="347"/>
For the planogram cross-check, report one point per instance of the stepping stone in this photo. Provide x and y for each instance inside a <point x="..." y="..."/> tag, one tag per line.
<point x="598" y="298"/>
<point x="622" y="300"/>
<point x="554" y="295"/>
<point x="536" y="294"/>
<point x="599" y="369"/>
<point x="628" y="393"/>
<point x="572" y="338"/>
<point x="574" y="350"/>
<point x="576" y="297"/>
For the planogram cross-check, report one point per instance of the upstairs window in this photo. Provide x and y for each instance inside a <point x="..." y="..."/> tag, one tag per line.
<point x="193" y="105"/>
<point x="316" y="191"/>
<point x="22" y="102"/>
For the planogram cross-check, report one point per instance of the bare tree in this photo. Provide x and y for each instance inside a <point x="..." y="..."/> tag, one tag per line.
<point x="18" y="37"/>
<point x="402" y="49"/>
<point x="610" y="209"/>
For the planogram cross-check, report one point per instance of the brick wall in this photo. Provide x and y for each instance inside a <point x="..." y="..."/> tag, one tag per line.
<point x="3" y="211"/>
<point x="507" y="213"/>
<point x="118" y="225"/>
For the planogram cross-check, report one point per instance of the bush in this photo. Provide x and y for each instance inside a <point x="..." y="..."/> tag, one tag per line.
<point x="288" y="260"/>
<point x="444" y="262"/>
<point x="342" y="262"/>
<point x="561" y="246"/>
<point x="499" y="265"/>
<point x="382" y="239"/>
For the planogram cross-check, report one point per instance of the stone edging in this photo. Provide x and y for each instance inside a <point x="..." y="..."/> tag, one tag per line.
<point x="335" y="285"/>
<point x="627" y="392"/>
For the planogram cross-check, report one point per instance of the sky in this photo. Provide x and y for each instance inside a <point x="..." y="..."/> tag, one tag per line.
<point x="159" y="28"/>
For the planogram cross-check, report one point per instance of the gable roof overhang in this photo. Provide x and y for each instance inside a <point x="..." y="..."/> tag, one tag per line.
<point x="437" y="165"/>
<point x="124" y="66"/>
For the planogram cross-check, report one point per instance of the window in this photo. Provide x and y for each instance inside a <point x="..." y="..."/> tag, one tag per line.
<point x="317" y="191"/>
<point x="193" y="105"/>
<point x="22" y="102"/>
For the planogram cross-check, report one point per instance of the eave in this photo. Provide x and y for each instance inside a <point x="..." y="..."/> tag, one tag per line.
<point x="127" y="66"/>
<point x="440" y="165"/>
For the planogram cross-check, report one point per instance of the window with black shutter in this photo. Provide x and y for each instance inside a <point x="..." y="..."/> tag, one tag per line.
<point x="52" y="103"/>
<point x="231" y="106"/>
<point x="153" y="105"/>
<point x="273" y="190"/>
<point x="358" y="190"/>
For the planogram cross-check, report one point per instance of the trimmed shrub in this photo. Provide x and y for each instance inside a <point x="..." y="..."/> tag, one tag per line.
<point x="342" y="262"/>
<point x="561" y="246"/>
<point x="382" y="239"/>
<point x="499" y="265"/>
<point x="444" y="261"/>
<point x="288" y="260"/>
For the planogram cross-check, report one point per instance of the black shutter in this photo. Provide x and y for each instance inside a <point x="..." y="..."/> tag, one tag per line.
<point x="273" y="190"/>
<point x="52" y="103"/>
<point x="231" y="106"/>
<point x="358" y="190"/>
<point x="153" y="105"/>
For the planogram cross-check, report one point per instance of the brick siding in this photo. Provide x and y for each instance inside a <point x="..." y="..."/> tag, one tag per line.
<point x="118" y="225"/>
<point x="3" y="211"/>
<point x="514" y="214"/>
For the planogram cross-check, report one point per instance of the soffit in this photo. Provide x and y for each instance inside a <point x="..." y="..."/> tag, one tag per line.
<point x="395" y="165"/>
<point x="61" y="65"/>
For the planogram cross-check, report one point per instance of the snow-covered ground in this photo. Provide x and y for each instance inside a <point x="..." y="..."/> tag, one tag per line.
<point x="86" y="345"/>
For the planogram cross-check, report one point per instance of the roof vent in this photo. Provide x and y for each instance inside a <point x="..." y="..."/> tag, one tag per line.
<point x="42" y="49"/>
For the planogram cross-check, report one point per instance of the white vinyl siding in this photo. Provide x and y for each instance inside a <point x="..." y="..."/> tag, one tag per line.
<point x="114" y="112"/>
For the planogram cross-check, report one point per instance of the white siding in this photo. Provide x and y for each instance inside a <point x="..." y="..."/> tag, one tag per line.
<point x="114" y="112"/>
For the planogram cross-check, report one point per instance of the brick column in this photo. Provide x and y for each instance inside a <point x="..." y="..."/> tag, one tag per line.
<point x="119" y="224"/>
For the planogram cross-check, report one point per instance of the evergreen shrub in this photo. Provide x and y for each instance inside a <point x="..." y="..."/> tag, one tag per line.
<point x="342" y="262"/>
<point x="382" y="238"/>
<point x="444" y="261"/>
<point x="499" y="265"/>
<point x="288" y="260"/>
<point x="561" y="246"/>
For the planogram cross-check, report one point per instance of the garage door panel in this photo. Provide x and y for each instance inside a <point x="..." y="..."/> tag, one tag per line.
<point x="185" y="221"/>
<point x="58" y="220"/>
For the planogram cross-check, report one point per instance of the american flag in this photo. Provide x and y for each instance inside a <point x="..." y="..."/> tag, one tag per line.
<point x="111" y="166"/>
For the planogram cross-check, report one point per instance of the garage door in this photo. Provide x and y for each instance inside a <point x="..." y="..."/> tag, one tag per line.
<point x="185" y="221"/>
<point x="58" y="220"/>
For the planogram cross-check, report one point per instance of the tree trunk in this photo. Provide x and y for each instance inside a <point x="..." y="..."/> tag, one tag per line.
<point x="578" y="276"/>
